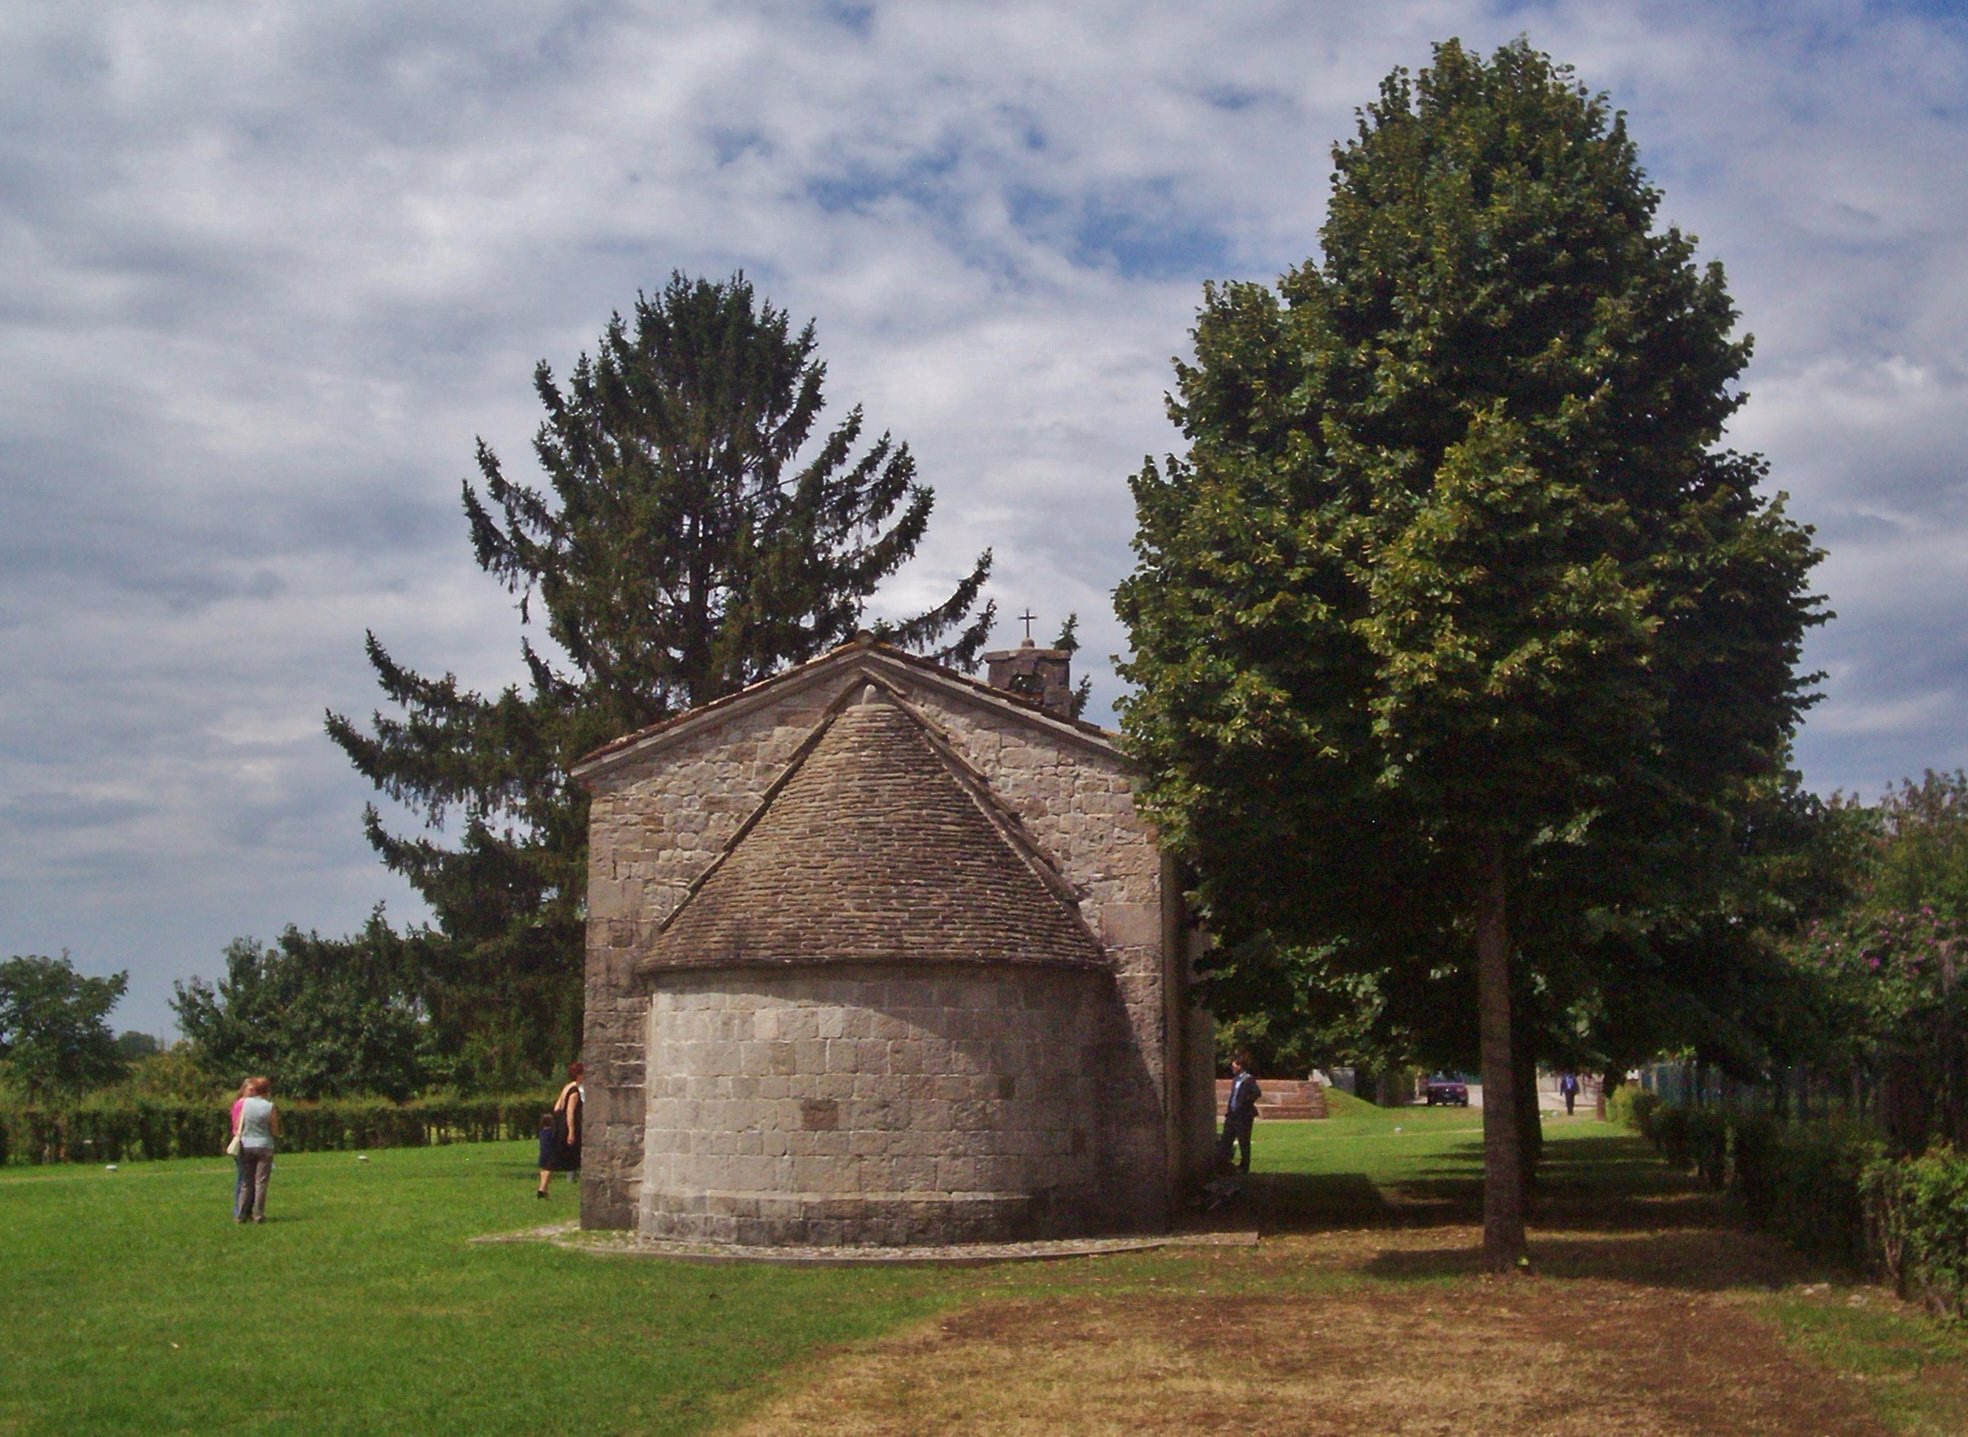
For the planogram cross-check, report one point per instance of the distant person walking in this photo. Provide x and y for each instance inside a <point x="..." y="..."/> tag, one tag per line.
<point x="259" y="1125"/>
<point x="560" y="1131"/>
<point x="1239" y="1114"/>
<point x="1568" y="1085"/>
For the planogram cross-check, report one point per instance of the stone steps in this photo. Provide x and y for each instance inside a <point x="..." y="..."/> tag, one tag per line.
<point x="1283" y="1098"/>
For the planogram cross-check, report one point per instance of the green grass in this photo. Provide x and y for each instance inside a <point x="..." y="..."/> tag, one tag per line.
<point x="1342" y="1104"/>
<point x="132" y="1303"/>
<point x="1882" y="1347"/>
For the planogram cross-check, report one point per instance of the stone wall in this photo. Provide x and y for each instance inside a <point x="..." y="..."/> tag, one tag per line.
<point x="652" y="830"/>
<point x="1076" y="802"/>
<point x="863" y="1105"/>
<point x="664" y="812"/>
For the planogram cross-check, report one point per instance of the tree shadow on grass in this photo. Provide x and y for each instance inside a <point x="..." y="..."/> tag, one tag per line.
<point x="1681" y="1242"/>
<point x="1616" y="1184"/>
<point x="1314" y="1202"/>
<point x="1605" y="1208"/>
<point x="1689" y="1260"/>
<point x="1610" y="1184"/>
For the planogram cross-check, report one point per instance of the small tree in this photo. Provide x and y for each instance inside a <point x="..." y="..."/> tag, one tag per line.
<point x="1893" y="963"/>
<point x="321" y="1016"/>
<point x="133" y="1046"/>
<point x="1455" y="632"/>
<point x="55" y="1038"/>
<point x="698" y="533"/>
<point x="1069" y="640"/>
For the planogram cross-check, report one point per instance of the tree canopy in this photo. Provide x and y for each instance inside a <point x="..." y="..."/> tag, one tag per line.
<point x="1891" y="964"/>
<point x="1457" y="634"/>
<point x="55" y="1038"/>
<point x="323" y="1017"/>
<point x="698" y="531"/>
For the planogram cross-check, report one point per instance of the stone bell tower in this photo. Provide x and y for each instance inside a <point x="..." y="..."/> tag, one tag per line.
<point x="1044" y="676"/>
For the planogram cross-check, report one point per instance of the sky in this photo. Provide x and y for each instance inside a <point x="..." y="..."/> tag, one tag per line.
<point x="270" y="270"/>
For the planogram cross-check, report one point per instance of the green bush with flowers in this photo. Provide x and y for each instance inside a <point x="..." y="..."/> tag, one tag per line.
<point x="1917" y="1210"/>
<point x="1893" y="984"/>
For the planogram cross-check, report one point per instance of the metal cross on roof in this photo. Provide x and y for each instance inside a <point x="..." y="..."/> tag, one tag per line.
<point x="1028" y="616"/>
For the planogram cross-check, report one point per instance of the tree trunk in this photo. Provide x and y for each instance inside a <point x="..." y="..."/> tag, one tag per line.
<point x="1503" y="1185"/>
<point x="1530" y="1123"/>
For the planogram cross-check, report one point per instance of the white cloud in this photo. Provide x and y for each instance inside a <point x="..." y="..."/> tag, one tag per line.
<point x="270" y="271"/>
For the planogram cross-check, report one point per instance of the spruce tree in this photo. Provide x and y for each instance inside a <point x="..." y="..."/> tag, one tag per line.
<point x="1457" y="632"/>
<point x="697" y="533"/>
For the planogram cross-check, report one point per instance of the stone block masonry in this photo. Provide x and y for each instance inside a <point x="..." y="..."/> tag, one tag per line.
<point x="949" y="1130"/>
<point x="900" y="1101"/>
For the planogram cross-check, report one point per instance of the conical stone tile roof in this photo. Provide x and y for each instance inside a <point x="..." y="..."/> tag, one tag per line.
<point x="876" y="846"/>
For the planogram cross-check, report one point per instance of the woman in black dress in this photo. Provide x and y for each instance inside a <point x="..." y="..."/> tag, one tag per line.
<point x="560" y="1131"/>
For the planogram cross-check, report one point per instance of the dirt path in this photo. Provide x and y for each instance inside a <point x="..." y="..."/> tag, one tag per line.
<point x="1643" y="1333"/>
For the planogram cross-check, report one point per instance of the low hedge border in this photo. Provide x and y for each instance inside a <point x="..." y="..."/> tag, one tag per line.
<point x="1918" y="1209"/>
<point x="132" y="1132"/>
<point x="1833" y="1190"/>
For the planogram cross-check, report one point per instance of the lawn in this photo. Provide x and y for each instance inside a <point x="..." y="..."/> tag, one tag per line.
<point x="133" y="1304"/>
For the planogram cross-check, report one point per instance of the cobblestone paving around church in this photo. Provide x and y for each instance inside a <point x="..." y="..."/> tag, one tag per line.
<point x="627" y="1244"/>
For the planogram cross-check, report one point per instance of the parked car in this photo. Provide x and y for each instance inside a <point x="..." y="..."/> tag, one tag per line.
<point x="1446" y="1091"/>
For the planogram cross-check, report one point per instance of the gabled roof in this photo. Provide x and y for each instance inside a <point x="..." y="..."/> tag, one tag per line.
<point x="862" y="655"/>
<point x="877" y="844"/>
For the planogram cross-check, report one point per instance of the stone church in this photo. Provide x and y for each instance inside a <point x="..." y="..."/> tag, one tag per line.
<point x="878" y="953"/>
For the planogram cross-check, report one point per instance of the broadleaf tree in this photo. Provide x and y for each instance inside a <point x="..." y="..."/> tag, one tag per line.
<point x="55" y="1038"/>
<point x="1457" y="631"/>
<point x="1891" y="961"/>
<point x="321" y="1017"/>
<point x="698" y="530"/>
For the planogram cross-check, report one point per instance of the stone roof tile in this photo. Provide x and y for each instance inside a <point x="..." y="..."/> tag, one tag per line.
<point x="876" y="846"/>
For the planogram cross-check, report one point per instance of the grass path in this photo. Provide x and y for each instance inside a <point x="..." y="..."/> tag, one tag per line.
<point x="132" y="1304"/>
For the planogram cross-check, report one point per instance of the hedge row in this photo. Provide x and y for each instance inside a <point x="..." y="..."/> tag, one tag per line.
<point x="1831" y="1189"/>
<point x="1919" y="1211"/>
<point x="91" y="1132"/>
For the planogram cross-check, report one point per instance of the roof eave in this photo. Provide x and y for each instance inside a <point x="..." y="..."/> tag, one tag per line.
<point x="859" y="654"/>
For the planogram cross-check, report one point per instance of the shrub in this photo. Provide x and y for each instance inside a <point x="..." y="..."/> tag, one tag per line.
<point x="1918" y="1209"/>
<point x="124" y="1130"/>
<point x="1708" y="1145"/>
<point x="1696" y="1138"/>
<point x="1635" y="1107"/>
<point x="1804" y="1183"/>
<point x="1667" y="1130"/>
<point x="1619" y="1106"/>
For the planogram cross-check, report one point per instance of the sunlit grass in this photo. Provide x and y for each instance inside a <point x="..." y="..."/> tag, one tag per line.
<point x="134" y="1304"/>
<point x="1913" y="1369"/>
